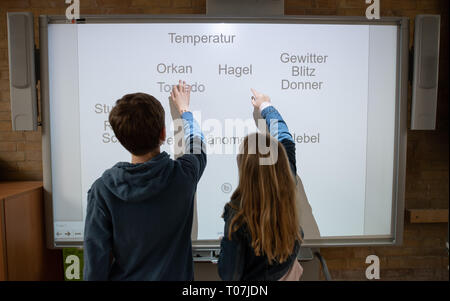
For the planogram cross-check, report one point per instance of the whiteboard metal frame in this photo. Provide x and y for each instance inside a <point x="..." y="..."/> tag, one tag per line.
<point x="210" y="248"/>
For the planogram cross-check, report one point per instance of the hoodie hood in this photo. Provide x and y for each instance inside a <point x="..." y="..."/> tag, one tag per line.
<point x="136" y="182"/>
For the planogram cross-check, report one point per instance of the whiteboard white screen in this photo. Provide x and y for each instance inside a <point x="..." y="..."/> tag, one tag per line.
<point x="347" y="173"/>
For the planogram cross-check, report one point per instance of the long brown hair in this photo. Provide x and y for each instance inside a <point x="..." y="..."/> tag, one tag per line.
<point x="265" y="199"/>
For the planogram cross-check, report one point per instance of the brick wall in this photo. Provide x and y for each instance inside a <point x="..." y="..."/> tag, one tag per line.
<point x="421" y="257"/>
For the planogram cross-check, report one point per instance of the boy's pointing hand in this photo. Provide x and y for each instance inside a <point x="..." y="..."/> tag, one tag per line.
<point x="180" y="95"/>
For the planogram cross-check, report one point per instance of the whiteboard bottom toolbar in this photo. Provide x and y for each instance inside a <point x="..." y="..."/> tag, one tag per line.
<point x="69" y="231"/>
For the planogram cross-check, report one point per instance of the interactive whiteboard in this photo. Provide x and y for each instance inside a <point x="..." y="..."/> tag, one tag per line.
<point x="338" y="84"/>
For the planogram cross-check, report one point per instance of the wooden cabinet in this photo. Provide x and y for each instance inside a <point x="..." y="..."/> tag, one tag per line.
<point x="23" y="253"/>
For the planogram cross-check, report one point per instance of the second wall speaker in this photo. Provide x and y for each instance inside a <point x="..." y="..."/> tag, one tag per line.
<point x="22" y="74"/>
<point x="426" y="71"/>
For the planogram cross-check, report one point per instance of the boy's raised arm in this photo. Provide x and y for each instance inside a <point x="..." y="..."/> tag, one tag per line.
<point x="195" y="153"/>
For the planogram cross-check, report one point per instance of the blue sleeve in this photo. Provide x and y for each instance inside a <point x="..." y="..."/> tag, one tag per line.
<point x="97" y="240"/>
<point x="275" y="123"/>
<point x="191" y="128"/>
<point x="194" y="158"/>
<point x="278" y="129"/>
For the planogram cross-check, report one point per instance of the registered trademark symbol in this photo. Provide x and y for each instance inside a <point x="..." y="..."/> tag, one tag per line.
<point x="226" y="187"/>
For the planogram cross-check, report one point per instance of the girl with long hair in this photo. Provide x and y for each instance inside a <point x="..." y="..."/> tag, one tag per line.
<point x="262" y="235"/>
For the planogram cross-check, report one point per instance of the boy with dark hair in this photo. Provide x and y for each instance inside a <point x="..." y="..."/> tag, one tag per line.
<point x="139" y="214"/>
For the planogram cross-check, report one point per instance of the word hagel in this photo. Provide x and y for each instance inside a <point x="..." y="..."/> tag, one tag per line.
<point x="236" y="71"/>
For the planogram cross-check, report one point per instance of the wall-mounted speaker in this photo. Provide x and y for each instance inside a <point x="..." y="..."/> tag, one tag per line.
<point x="22" y="74"/>
<point x="426" y="70"/>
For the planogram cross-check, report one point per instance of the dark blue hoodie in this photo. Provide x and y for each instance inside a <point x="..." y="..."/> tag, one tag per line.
<point x="139" y="216"/>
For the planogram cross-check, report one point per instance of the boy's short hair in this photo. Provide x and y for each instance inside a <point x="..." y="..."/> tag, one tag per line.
<point x="137" y="121"/>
